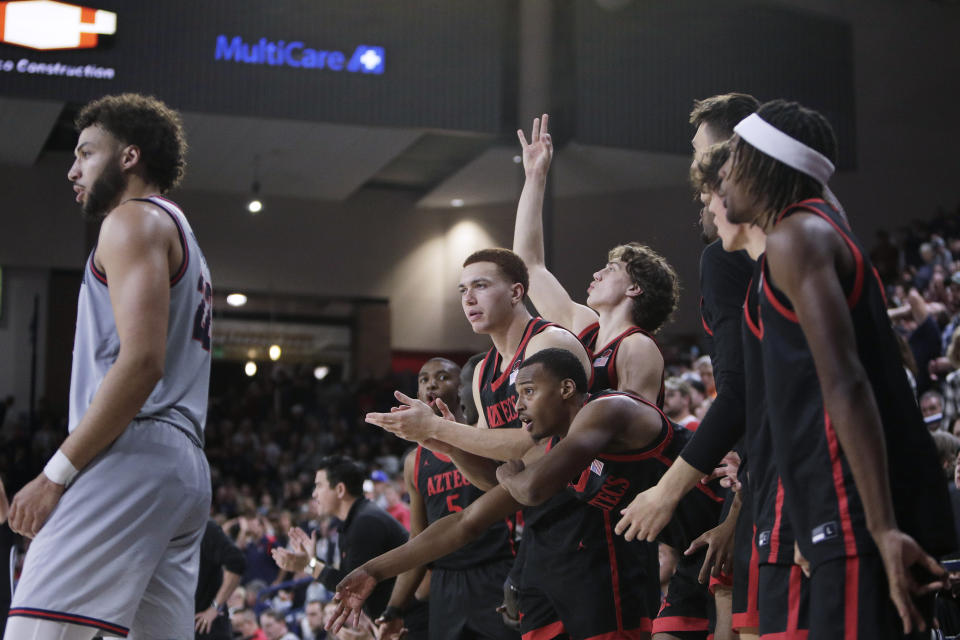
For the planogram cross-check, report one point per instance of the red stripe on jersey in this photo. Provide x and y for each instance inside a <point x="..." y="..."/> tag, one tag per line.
<point x="527" y="334"/>
<point x="777" y="522"/>
<point x="750" y="619"/>
<point x="99" y="275"/>
<point x="640" y="633"/>
<point x="843" y="504"/>
<point x="548" y="632"/>
<point x="29" y="612"/>
<point x="851" y="598"/>
<point x="756" y="330"/>
<point x="854" y="296"/>
<point x="416" y="468"/>
<point x="668" y="624"/>
<point x="614" y="570"/>
<point x="779" y="306"/>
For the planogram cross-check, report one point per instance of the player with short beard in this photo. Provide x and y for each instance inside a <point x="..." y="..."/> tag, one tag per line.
<point x="118" y="514"/>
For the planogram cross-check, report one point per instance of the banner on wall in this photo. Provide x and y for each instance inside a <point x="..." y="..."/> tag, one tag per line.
<point x="437" y="64"/>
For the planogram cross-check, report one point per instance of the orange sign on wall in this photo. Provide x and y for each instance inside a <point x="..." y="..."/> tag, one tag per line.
<point x="46" y="24"/>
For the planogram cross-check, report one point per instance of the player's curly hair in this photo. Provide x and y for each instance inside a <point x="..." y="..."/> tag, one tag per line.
<point x="774" y="184"/>
<point x="657" y="279"/>
<point x="149" y="124"/>
<point x="705" y="172"/>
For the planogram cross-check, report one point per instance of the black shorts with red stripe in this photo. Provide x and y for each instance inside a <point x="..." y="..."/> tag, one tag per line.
<point x="689" y="607"/>
<point x="784" y="602"/>
<point x="745" y="568"/>
<point x="601" y="587"/>
<point x="849" y="599"/>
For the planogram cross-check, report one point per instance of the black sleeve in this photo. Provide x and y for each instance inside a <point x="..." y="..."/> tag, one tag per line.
<point x="223" y="552"/>
<point x="724" y="278"/>
<point x="368" y="537"/>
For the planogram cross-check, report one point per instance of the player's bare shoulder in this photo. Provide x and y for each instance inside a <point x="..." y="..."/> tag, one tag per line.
<point x="635" y="423"/>
<point x="136" y="226"/>
<point x="556" y="337"/>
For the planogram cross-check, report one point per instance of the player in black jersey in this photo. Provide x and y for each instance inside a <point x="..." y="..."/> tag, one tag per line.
<point x="628" y="300"/>
<point x="466" y="585"/>
<point x="837" y="396"/>
<point x="781" y="587"/>
<point x="723" y="281"/>
<point x="492" y="288"/>
<point x="593" y="577"/>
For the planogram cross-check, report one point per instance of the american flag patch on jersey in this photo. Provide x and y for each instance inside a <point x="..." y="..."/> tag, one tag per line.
<point x="596" y="467"/>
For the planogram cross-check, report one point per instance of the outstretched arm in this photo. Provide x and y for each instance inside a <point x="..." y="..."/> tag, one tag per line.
<point x="134" y="250"/>
<point x="407" y="582"/>
<point x="803" y="252"/>
<point x="442" y="537"/>
<point x="548" y="295"/>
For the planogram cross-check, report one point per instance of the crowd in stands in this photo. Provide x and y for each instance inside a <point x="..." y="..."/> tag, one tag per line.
<point x="265" y="438"/>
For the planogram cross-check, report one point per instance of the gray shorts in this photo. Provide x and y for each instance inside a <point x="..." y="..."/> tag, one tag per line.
<point x="121" y="550"/>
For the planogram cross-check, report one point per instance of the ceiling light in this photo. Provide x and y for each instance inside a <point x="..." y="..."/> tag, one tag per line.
<point x="236" y="299"/>
<point x="274" y="352"/>
<point x="321" y="372"/>
<point x="456" y="202"/>
<point x="255" y="206"/>
<point x="250" y="368"/>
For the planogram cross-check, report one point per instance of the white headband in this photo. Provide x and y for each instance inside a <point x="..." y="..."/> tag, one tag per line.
<point x="779" y="146"/>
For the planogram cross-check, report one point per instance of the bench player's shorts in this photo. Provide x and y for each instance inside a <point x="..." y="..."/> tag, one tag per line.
<point x="121" y="550"/>
<point x="849" y="598"/>
<point x="610" y="588"/>
<point x="746" y="575"/>
<point x="464" y="602"/>
<point x="783" y="601"/>
<point x="688" y="608"/>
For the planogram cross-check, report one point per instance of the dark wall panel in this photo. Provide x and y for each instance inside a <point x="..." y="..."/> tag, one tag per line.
<point x="639" y="69"/>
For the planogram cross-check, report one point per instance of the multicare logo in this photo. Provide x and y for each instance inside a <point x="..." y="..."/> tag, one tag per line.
<point x="45" y="24"/>
<point x="365" y="58"/>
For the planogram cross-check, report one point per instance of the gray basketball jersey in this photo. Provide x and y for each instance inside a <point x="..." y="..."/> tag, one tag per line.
<point x="180" y="398"/>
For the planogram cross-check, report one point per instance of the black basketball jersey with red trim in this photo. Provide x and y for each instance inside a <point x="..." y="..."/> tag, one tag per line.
<point x="774" y="535"/>
<point x="444" y="491"/>
<point x="605" y="359"/>
<point x="498" y="400"/>
<point x="821" y="498"/>
<point x="613" y="479"/>
<point x="498" y="394"/>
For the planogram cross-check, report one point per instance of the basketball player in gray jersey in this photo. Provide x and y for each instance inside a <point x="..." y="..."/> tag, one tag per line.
<point x="118" y="513"/>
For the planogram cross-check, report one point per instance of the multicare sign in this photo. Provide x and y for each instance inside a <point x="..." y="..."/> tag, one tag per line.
<point x="45" y="25"/>
<point x="365" y="59"/>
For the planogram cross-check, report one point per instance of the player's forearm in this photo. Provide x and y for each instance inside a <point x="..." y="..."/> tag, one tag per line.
<point x="121" y="395"/>
<point x="528" y="229"/>
<point x="679" y="479"/>
<point x="405" y="587"/>
<point x="525" y="489"/>
<point x="479" y="471"/>
<point x="230" y="582"/>
<point x="440" y="538"/>
<point x="496" y="444"/>
<point x="853" y="413"/>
